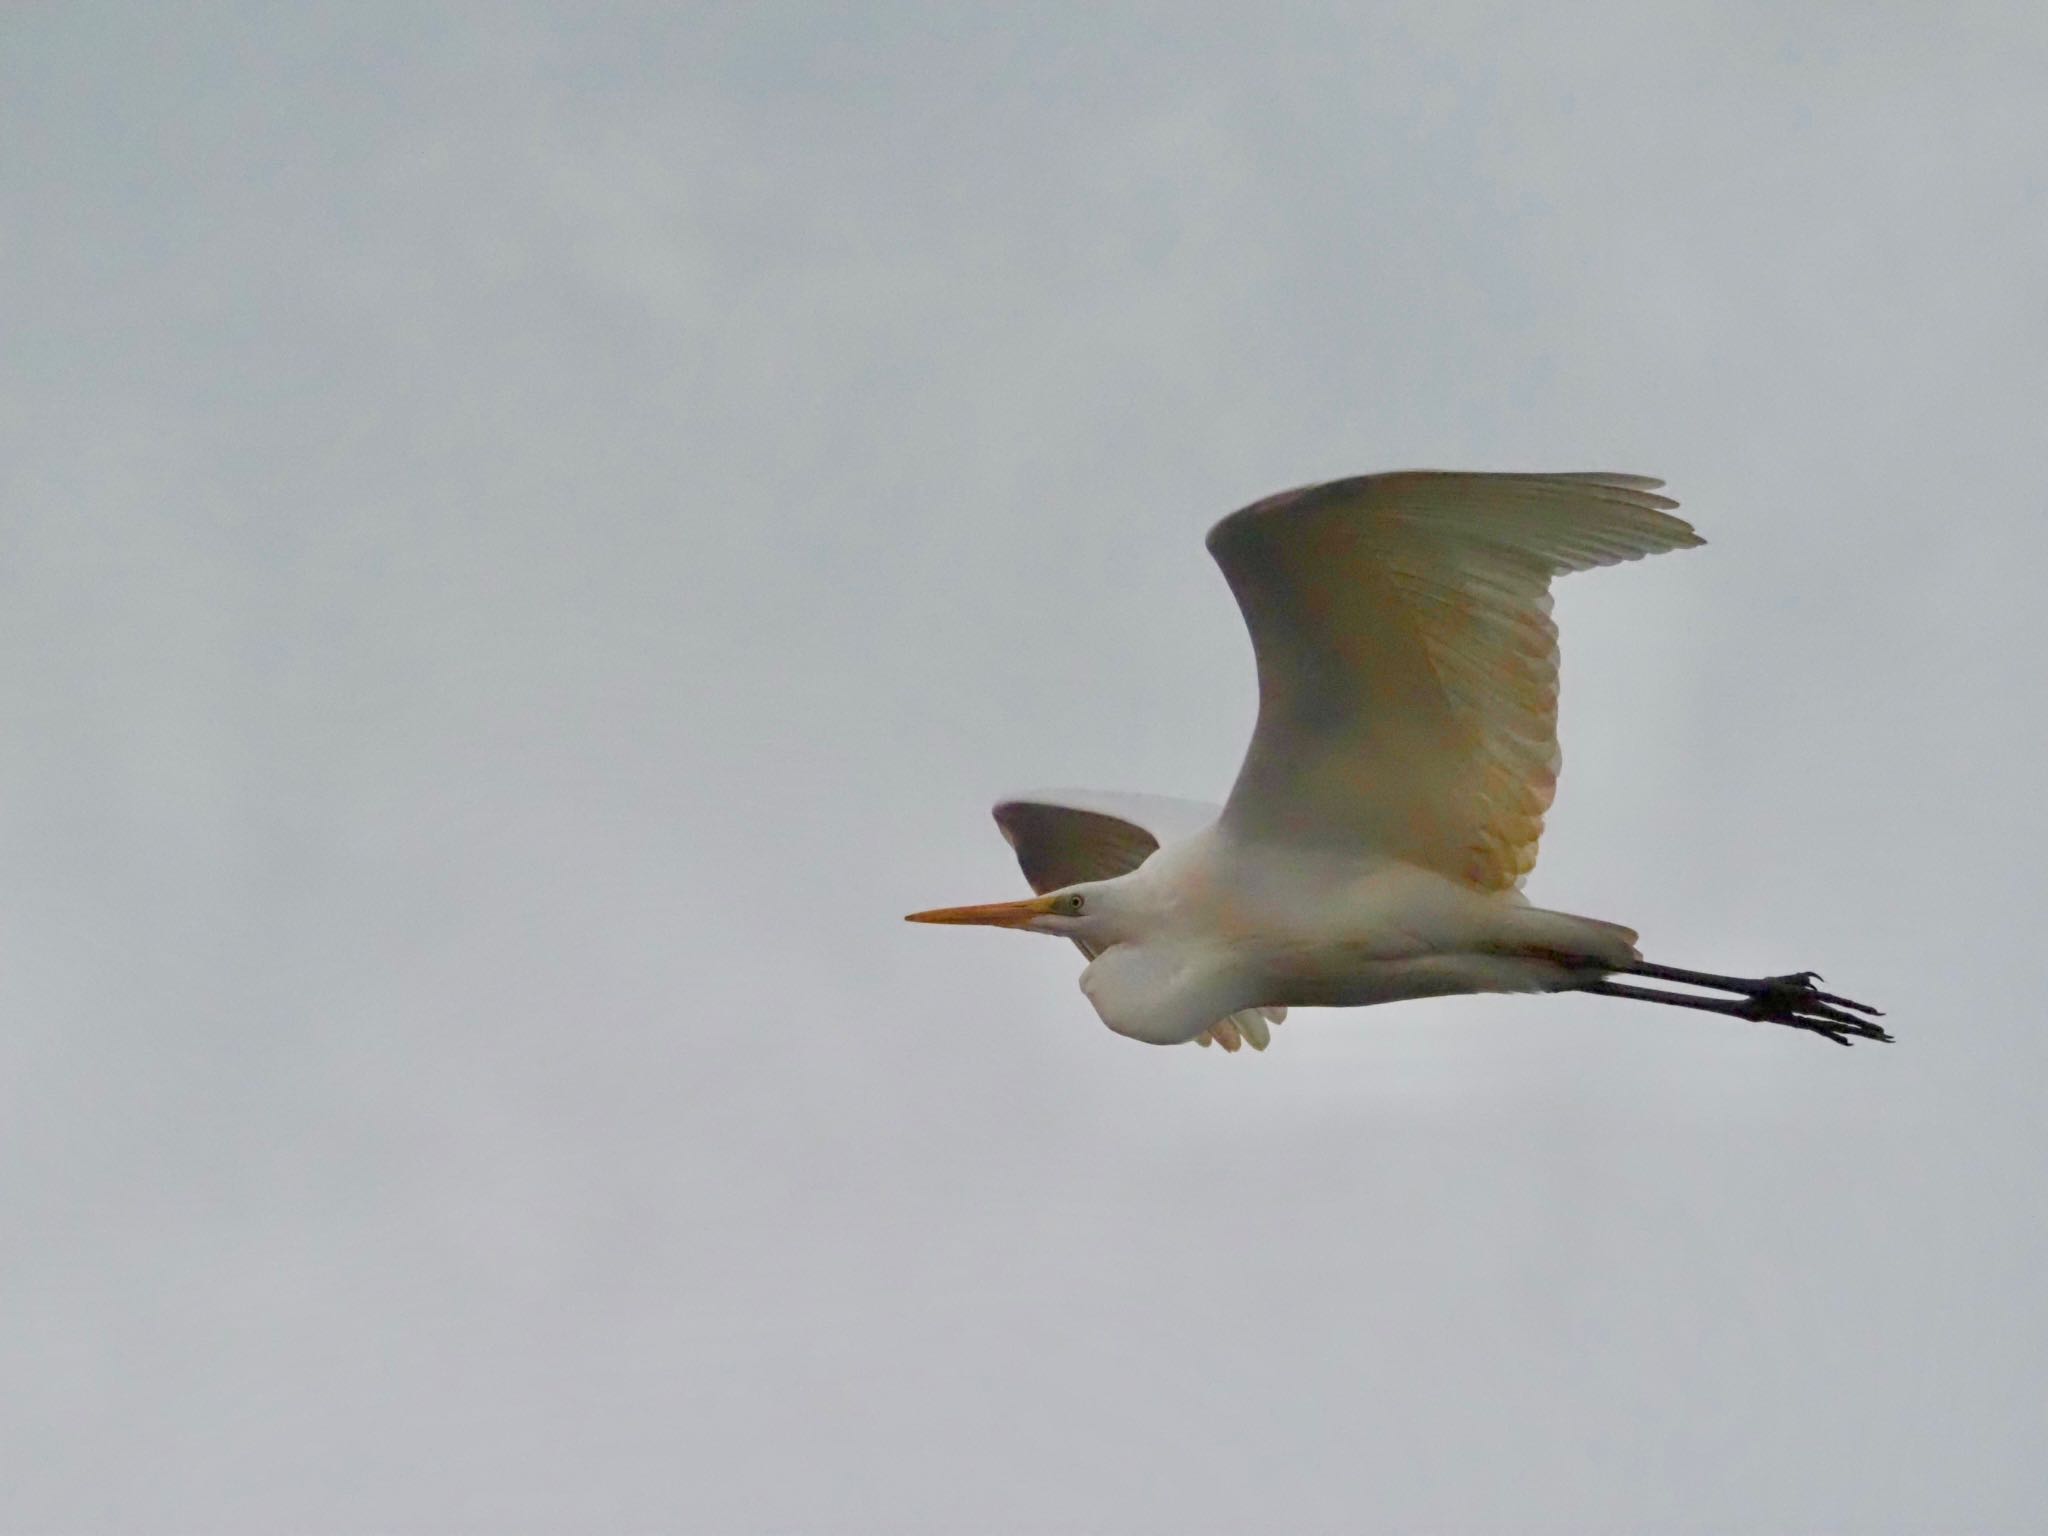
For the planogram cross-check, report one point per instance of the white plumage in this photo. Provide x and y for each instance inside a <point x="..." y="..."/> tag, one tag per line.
<point x="1067" y="837"/>
<point x="1390" y="803"/>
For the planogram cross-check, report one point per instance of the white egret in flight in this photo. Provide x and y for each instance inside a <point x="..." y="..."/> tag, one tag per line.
<point x="1386" y="815"/>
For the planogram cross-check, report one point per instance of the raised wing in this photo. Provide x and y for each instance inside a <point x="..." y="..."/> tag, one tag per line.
<point x="1064" y="840"/>
<point x="1406" y="658"/>
<point x="1063" y="837"/>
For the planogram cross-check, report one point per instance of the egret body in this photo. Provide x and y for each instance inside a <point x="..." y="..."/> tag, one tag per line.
<point x="1387" y="813"/>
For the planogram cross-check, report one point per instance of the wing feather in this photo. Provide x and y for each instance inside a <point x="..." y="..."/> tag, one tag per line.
<point x="1061" y="845"/>
<point x="1407" y="660"/>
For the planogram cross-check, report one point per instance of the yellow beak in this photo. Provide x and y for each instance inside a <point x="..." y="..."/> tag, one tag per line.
<point x="1000" y="914"/>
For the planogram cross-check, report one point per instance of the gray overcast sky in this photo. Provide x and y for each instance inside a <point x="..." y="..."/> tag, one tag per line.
<point x="532" y="537"/>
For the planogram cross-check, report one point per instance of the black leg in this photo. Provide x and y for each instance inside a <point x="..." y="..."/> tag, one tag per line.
<point x="1797" y="987"/>
<point x="1790" y="1006"/>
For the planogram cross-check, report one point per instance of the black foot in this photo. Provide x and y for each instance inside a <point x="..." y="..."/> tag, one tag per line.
<point x="1794" y="1001"/>
<point x="1791" y="1000"/>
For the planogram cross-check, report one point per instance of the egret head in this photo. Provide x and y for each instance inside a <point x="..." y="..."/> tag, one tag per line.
<point x="1087" y="911"/>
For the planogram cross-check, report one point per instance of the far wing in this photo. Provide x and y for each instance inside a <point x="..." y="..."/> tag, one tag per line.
<point x="1406" y="658"/>
<point x="1059" y="842"/>
<point x="1064" y="837"/>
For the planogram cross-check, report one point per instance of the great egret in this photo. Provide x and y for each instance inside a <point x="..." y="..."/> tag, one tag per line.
<point x="1387" y="812"/>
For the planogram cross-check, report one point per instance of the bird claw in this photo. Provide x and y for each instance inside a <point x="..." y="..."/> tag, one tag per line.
<point x="1794" y="1000"/>
<point x="1804" y="979"/>
<point x="1800" y="984"/>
